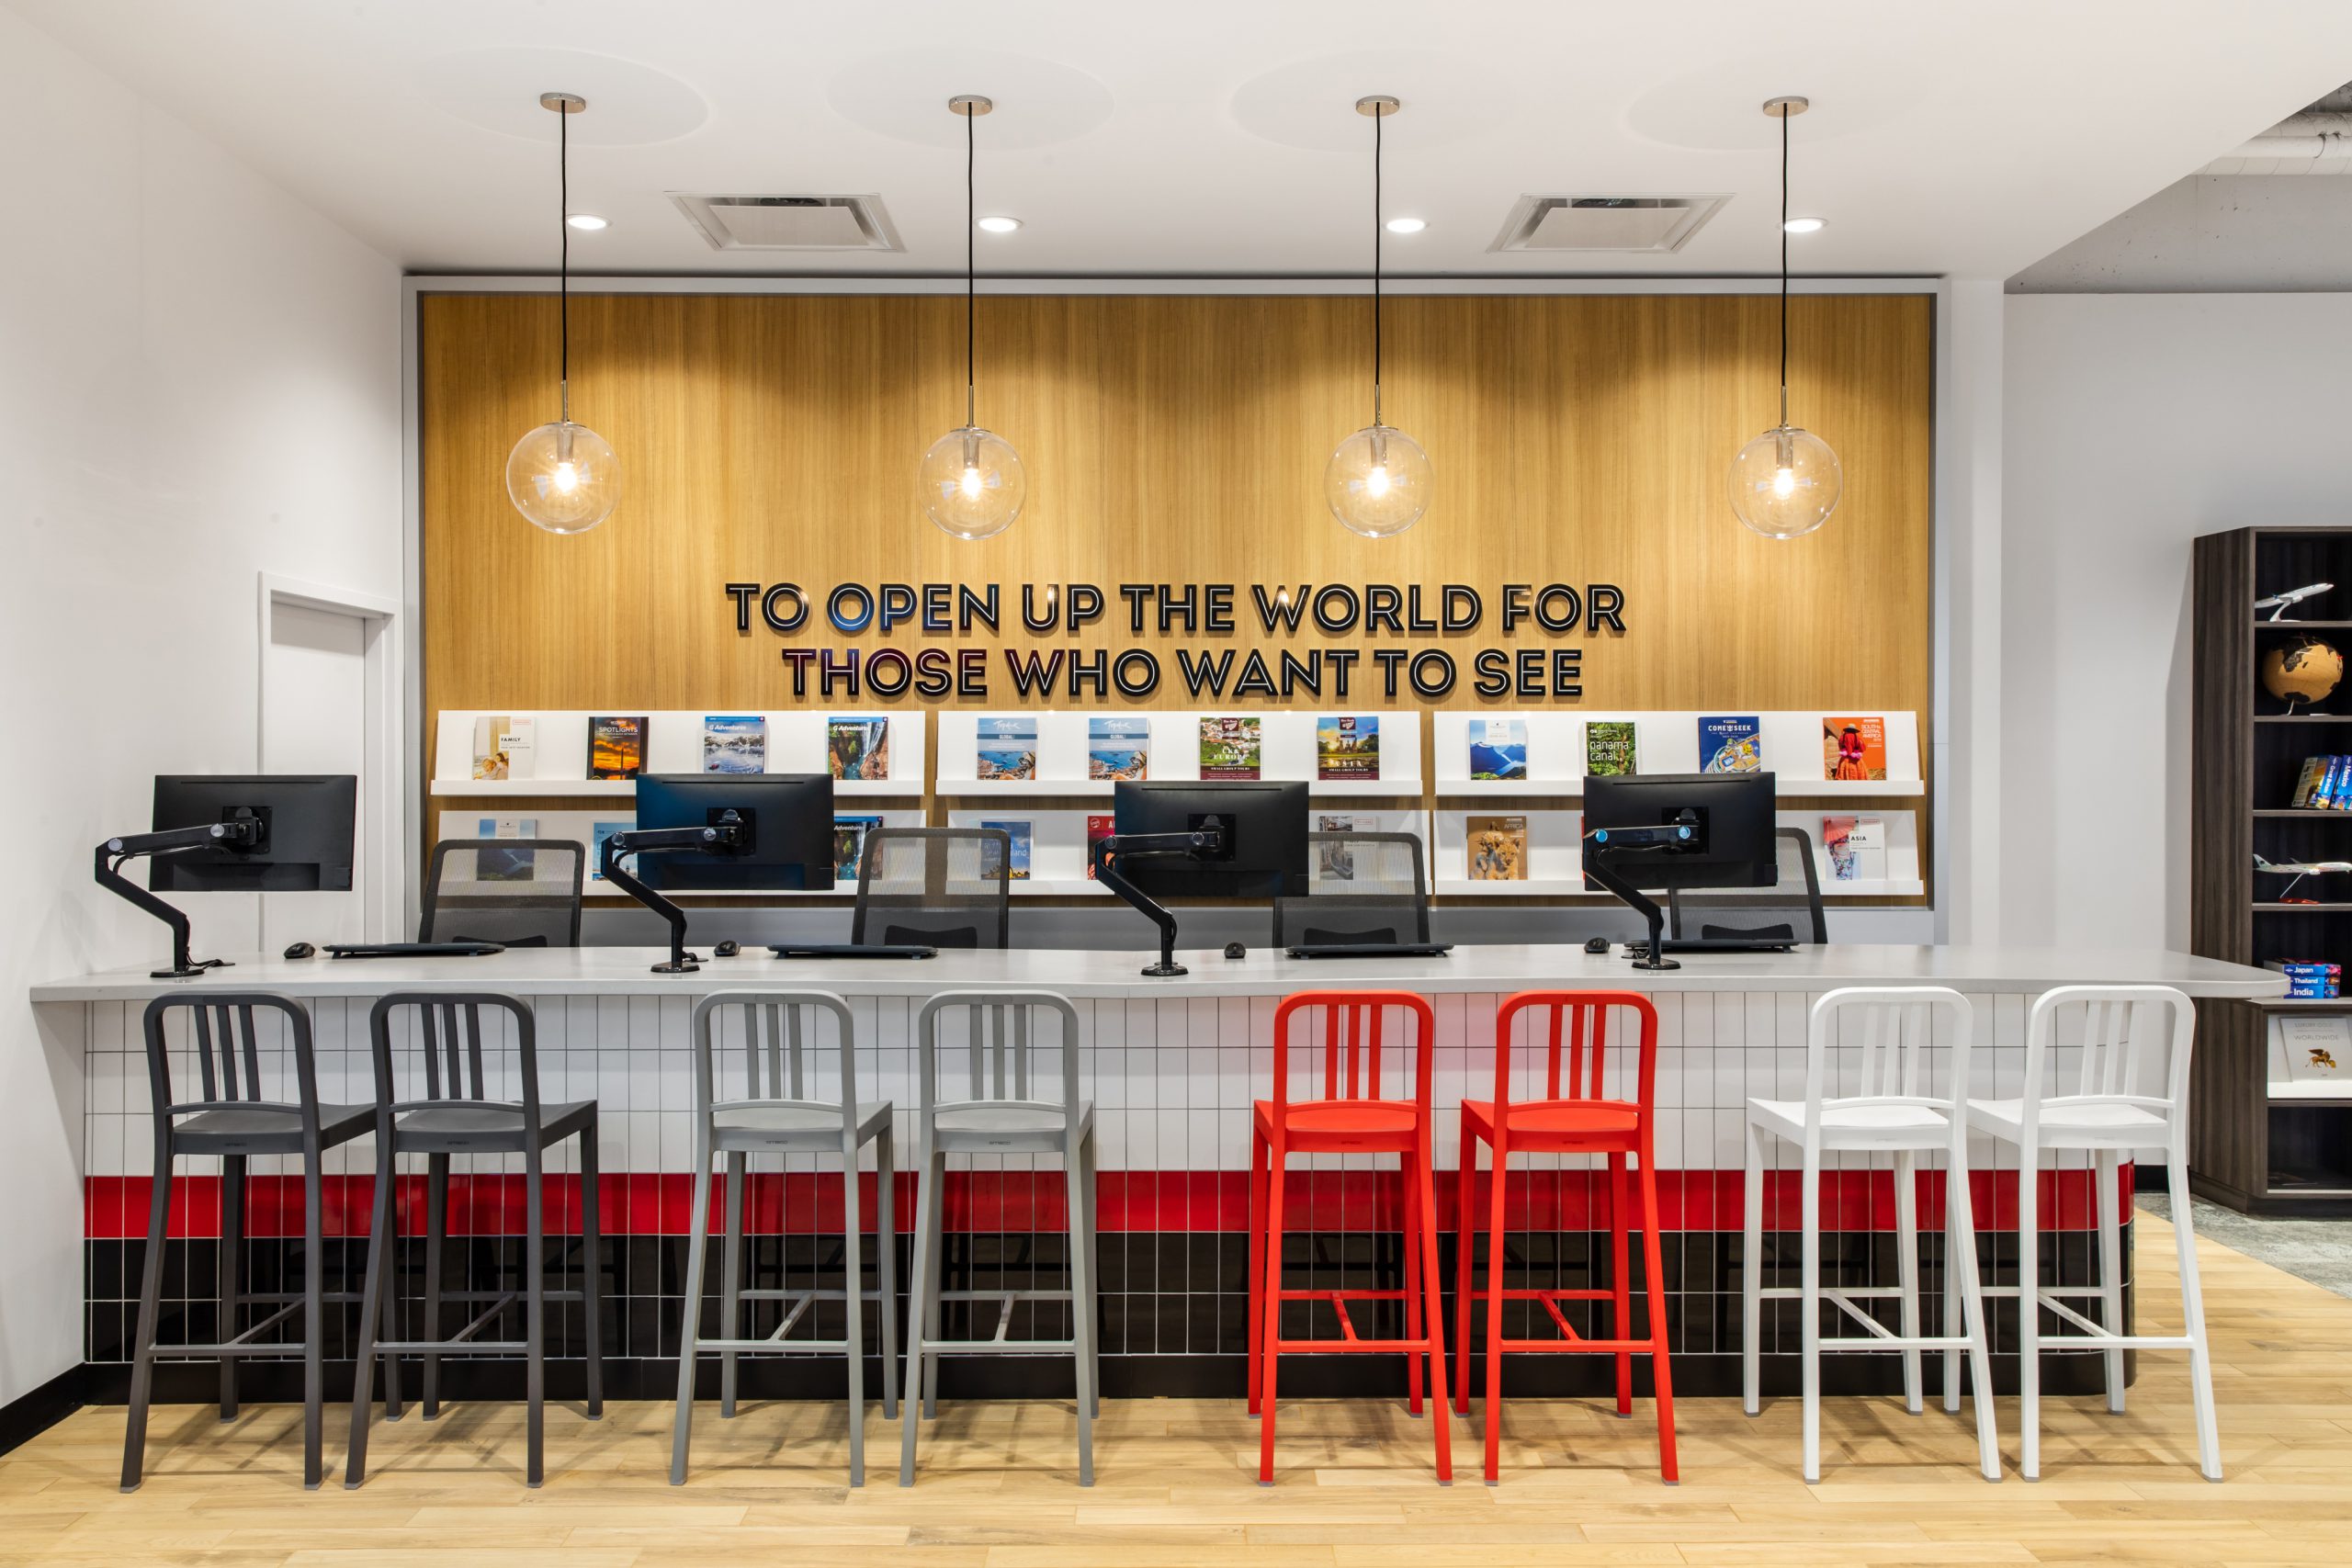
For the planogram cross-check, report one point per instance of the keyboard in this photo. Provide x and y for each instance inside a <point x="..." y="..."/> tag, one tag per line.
<point x="852" y="950"/>
<point x="1713" y="944"/>
<point x="412" y="948"/>
<point x="1373" y="950"/>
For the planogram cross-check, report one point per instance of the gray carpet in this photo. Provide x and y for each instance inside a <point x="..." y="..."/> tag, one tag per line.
<point x="2317" y="1250"/>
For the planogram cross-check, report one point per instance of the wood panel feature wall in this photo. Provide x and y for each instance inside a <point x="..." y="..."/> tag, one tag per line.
<point x="1177" y="439"/>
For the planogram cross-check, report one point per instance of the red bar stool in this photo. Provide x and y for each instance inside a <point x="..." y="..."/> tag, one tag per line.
<point x="1573" y="1117"/>
<point x="1349" y="1117"/>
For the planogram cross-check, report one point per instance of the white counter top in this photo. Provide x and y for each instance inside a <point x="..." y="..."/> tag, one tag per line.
<point x="623" y="971"/>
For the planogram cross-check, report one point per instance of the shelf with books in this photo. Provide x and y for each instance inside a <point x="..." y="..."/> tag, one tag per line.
<point x="1542" y="853"/>
<point x="1049" y="846"/>
<point x="1839" y="755"/>
<point x="1077" y="752"/>
<point x="591" y="829"/>
<point x="869" y="752"/>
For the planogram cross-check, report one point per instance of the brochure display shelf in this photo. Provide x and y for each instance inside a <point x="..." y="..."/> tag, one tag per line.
<point x="1553" y="763"/>
<point x="1059" y="842"/>
<point x="1287" y="751"/>
<point x="2271" y="1100"/>
<point x="558" y="767"/>
<point x="592" y="828"/>
<point x="1553" y="853"/>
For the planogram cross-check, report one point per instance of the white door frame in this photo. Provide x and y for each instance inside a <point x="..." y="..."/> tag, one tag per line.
<point x="382" y="827"/>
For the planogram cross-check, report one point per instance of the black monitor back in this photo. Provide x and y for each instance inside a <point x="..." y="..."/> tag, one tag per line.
<point x="788" y="822"/>
<point x="306" y="842"/>
<point x="1736" y="822"/>
<point x="1265" y="837"/>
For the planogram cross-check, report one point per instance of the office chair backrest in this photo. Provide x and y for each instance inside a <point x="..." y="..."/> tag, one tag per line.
<point x="222" y="1033"/>
<point x="1362" y="887"/>
<point x="514" y="892"/>
<point x="1790" y="912"/>
<point x="939" y="887"/>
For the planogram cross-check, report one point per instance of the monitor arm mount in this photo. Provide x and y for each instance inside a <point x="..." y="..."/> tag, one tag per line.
<point x="1603" y="844"/>
<point x="1198" y="844"/>
<point x="243" y="832"/>
<point x="725" y="834"/>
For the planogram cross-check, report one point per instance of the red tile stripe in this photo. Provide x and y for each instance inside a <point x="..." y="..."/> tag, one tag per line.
<point x="115" y="1207"/>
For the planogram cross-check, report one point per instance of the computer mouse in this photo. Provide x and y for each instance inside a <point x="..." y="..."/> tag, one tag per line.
<point x="1598" y="945"/>
<point x="726" y="950"/>
<point x="301" y="949"/>
<point x="1235" y="950"/>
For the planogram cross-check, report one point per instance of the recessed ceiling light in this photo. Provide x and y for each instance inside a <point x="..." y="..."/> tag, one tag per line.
<point x="1805" y="225"/>
<point x="1000" y="225"/>
<point x="1406" y="225"/>
<point x="587" y="221"/>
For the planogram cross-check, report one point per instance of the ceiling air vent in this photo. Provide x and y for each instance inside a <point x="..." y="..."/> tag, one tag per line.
<point x="790" y="222"/>
<point x="1646" y="224"/>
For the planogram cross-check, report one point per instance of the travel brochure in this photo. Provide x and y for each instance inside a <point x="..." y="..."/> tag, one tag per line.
<point x="1335" y="857"/>
<point x="1099" y="827"/>
<point x="1856" y="847"/>
<point x="505" y="865"/>
<point x="1853" y="748"/>
<point x="1731" y="744"/>
<point x="1230" y="748"/>
<point x="616" y="747"/>
<point x="734" y="743"/>
<point x="1498" y="748"/>
<point x="1609" y="747"/>
<point x="1347" y="747"/>
<point x="850" y="831"/>
<point x="1008" y="747"/>
<point x="858" y="747"/>
<point x="1495" y="848"/>
<point x="2318" y="1050"/>
<point x="1118" y="748"/>
<point x="1021" y="832"/>
<point x="505" y="747"/>
<point x="598" y="834"/>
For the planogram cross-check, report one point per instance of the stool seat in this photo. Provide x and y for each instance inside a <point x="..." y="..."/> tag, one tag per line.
<point x="267" y="1129"/>
<point x="793" y="1126"/>
<point x="1371" y="1127"/>
<point x="2100" y="1124"/>
<point x="1003" y="1120"/>
<point x="1917" y="1125"/>
<point x="489" y="1126"/>
<point x="1545" y="1126"/>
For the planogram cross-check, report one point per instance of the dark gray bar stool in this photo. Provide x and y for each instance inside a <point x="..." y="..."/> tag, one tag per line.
<point x="457" y="1116"/>
<point x="786" y="1117"/>
<point x="231" y="1120"/>
<point x="1005" y="1111"/>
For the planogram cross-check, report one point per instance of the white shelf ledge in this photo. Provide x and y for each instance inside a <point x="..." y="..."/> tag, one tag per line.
<point x="626" y="789"/>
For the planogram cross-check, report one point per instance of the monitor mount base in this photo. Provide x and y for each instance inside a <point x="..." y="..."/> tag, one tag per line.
<point x="666" y="840"/>
<point x="1601" y="849"/>
<point x="1197" y="844"/>
<point x="116" y="852"/>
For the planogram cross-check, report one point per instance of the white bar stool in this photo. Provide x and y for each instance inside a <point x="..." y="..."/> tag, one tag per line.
<point x="1895" y="1110"/>
<point x="2125" y="1029"/>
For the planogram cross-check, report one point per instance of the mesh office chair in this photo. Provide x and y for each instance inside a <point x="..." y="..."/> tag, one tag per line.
<point x="1789" y="912"/>
<point x="1362" y="887"/>
<point x="514" y="892"/>
<point x="936" y="887"/>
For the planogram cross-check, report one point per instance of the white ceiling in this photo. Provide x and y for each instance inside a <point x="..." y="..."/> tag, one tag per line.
<point x="1216" y="137"/>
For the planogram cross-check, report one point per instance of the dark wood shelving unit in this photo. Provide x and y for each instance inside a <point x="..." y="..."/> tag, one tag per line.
<point x="2248" y="1149"/>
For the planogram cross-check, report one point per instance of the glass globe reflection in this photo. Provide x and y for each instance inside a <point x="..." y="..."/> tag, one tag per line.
<point x="1379" y="481"/>
<point x="1785" y="482"/>
<point x="564" y="478"/>
<point x="971" y="483"/>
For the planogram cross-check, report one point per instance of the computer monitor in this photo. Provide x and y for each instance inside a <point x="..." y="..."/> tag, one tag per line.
<point x="1733" y="845"/>
<point x="1264" y="850"/>
<point x="786" y="840"/>
<point x="303" y="844"/>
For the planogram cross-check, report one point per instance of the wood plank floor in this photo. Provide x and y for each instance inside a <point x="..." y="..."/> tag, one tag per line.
<point x="1175" y="1482"/>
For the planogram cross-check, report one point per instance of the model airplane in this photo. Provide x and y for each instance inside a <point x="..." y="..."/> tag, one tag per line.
<point x="2278" y="604"/>
<point x="2298" y="869"/>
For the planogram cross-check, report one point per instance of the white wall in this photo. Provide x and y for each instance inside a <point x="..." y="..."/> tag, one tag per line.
<point x="2133" y="424"/>
<point x="199" y="380"/>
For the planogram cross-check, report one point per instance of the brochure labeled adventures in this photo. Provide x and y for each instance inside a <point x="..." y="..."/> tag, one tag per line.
<point x="734" y="743"/>
<point x="858" y="747"/>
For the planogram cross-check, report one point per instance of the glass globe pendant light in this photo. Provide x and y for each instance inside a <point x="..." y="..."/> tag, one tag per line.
<point x="1787" y="481"/>
<point x="563" y="476"/>
<point x="971" y="482"/>
<point x="1377" y="483"/>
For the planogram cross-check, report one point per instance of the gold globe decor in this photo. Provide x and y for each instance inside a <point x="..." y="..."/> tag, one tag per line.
<point x="2305" y="670"/>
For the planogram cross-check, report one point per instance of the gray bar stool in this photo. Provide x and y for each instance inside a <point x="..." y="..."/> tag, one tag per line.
<point x="786" y="1117"/>
<point x="457" y="1116"/>
<point x="1002" y="1112"/>
<point x="231" y="1120"/>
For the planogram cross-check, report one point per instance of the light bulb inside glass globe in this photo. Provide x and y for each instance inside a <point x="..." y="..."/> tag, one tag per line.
<point x="971" y="483"/>
<point x="564" y="478"/>
<point x="1785" y="482"/>
<point x="1379" y="481"/>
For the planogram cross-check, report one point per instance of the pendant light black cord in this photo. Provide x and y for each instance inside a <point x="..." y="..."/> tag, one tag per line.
<point x="971" y="263"/>
<point x="1785" y="265"/>
<point x="1379" y="120"/>
<point x="563" y="223"/>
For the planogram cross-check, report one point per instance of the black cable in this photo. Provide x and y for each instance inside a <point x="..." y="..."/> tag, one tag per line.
<point x="563" y="222"/>
<point x="1785" y="109"/>
<point x="971" y="262"/>
<point x="1379" y="117"/>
